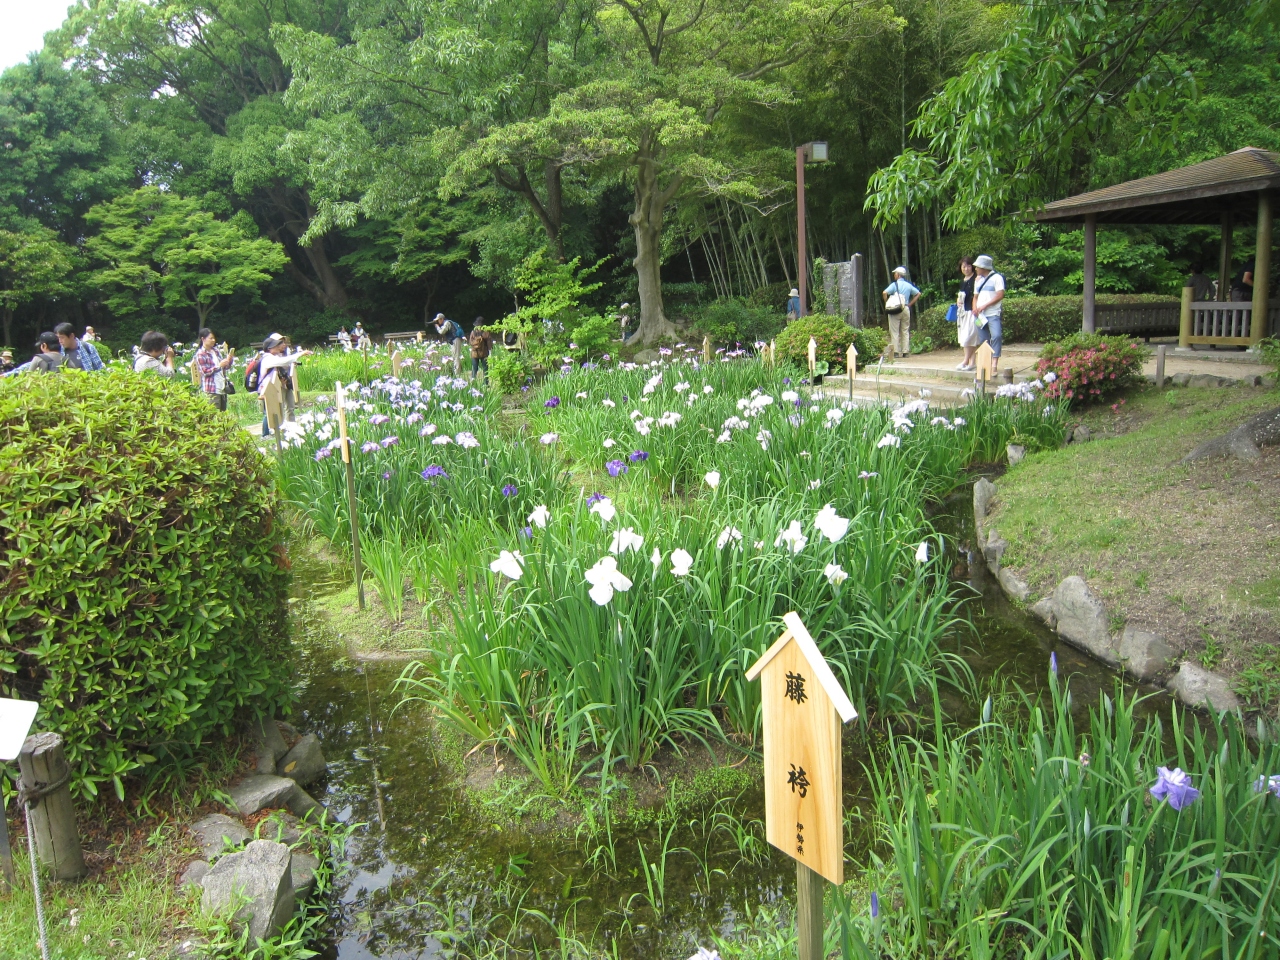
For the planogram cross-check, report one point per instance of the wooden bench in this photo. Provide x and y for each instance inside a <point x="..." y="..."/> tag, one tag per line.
<point x="406" y="335"/>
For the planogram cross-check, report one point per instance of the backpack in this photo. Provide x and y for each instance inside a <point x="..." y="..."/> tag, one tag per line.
<point x="251" y="373"/>
<point x="479" y="343"/>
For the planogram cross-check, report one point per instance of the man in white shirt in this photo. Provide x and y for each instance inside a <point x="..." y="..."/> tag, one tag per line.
<point x="155" y="355"/>
<point x="988" y="306"/>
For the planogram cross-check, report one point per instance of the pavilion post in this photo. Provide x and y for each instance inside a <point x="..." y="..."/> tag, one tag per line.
<point x="1261" y="270"/>
<point x="1090" y="270"/>
<point x="1224" y="257"/>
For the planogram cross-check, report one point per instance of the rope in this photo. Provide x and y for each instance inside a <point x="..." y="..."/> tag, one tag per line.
<point x="31" y="796"/>
<point x="35" y="883"/>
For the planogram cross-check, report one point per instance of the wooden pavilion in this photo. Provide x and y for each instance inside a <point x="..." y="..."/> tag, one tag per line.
<point x="1224" y="191"/>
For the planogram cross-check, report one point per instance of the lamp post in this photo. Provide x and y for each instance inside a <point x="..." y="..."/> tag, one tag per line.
<point x="814" y="152"/>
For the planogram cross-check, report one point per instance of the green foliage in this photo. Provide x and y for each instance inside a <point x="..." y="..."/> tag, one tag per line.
<point x="508" y="370"/>
<point x="733" y="320"/>
<point x="1034" y="834"/>
<point x="1127" y="263"/>
<point x="32" y="263"/>
<point x="145" y="606"/>
<point x="1269" y="348"/>
<point x="159" y="249"/>
<point x="833" y="336"/>
<point x="1031" y="319"/>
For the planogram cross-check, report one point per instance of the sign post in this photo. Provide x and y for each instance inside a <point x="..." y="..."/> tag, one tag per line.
<point x="397" y="362"/>
<point x="813" y="359"/>
<point x="273" y="402"/>
<point x="706" y="349"/>
<point x="804" y="707"/>
<point x="773" y="353"/>
<point x="851" y="366"/>
<point x="984" y="357"/>
<point x="15" y="720"/>
<point x="351" y="492"/>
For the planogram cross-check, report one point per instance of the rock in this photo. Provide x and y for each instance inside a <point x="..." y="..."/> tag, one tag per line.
<point x="288" y="731"/>
<point x="1043" y="609"/>
<point x="1082" y="620"/>
<point x="260" y="792"/>
<point x="1195" y="686"/>
<point x="303" y="867"/>
<point x="304" y="763"/>
<point x="646" y="356"/>
<point x="1013" y="588"/>
<point x="195" y="872"/>
<point x="1144" y="654"/>
<point x="1208" y="380"/>
<point x="215" y="831"/>
<point x="993" y="550"/>
<point x="1080" y="434"/>
<point x="1016" y="453"/>
<point x="1260" y="430"/>
<point x="984" y="491"/>
<point x="269" y="744"/>
<point x="281" y="827"/>
<point x="300" y="803"/>
<point x="262" y="874"/>
<point x="1180" y="379"/>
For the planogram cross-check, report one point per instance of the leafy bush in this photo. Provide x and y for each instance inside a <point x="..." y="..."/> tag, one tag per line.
<point x="144" y="604"/>
<point x="508" y="370"/>
<point x="1027" y="319"/>
<point x="832" y="334"/>
<point x="870" y="343"/>
<point x="1089" y="366"/>
<point x="1270" y="351"/>
<point x="739" y="321"/>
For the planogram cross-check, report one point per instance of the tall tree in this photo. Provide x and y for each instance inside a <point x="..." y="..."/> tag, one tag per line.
<point x="157" y="249"/>
<point x="33" y="264"/>
<point x="219" y="59"/>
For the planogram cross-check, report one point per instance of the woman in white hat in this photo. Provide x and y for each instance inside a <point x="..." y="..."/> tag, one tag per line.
<point x="793" y="304"/>
<point x="899" y="297"/>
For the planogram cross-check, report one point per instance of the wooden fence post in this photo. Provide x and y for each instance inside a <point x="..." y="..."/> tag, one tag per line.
<point x="7" y="879"/>
<point x="1184" y="317"/>
<point x="53" y="818"/>
<point x="1160" y="350"/>
<point x="340" y="396"/>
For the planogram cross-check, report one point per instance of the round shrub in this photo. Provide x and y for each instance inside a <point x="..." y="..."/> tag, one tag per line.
<point x="144" y="601"/>
<point x="1089" y="366"/>
<point x="508" y="369"/>
<point x="833" y="336"/>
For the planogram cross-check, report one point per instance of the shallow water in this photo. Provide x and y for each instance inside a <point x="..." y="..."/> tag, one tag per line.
<point x="431" y="874"/>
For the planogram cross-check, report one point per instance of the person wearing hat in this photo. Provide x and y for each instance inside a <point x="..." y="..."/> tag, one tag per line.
<point x="899" y="297"/>
<point x="988" y="306"/>
<point x="48" y="356"/>
<point x="278" y="363"/>
<point x="155" y="355"/>
<point x="793" y="304"/>
<point x="624" y="319"/>
<point x="6" y="361"/>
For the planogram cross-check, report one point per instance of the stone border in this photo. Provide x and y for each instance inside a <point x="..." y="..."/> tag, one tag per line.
<point x="1080" y="618"/>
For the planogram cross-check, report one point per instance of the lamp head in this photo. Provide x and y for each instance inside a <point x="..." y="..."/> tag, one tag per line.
<point x="815" y="152"/>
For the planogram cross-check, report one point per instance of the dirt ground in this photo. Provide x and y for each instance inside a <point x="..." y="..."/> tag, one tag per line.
<point x="1189" y="551"/>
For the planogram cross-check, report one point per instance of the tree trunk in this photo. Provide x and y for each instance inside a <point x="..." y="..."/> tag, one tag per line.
<point x="651" y="199"/>
<point x="333" y="293"/>
<point x="8" y="326"/>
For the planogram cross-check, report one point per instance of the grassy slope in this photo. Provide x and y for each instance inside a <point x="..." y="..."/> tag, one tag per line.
<point x="1189" y="551"/>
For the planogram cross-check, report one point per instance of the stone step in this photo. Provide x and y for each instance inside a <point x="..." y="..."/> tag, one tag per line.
<point x="895" y="388"/>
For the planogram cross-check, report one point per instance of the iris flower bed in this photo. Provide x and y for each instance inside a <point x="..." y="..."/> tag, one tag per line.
<point x="613" y="562"/>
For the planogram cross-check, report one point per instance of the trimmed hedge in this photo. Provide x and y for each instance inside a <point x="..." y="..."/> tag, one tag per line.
<point x="1029" y="319"/>
<point x="833" y="336"/>
<point x="144" y="600"/>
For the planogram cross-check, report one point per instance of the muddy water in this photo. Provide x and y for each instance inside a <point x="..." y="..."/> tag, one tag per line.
<point x="430" y="873"/>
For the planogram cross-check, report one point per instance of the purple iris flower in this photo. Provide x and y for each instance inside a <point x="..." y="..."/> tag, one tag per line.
<point x="1053" y="663"/>
<point x="639" y="455"/>
<point x="1175" y="786"/>
<point x="786" y="381"/>
<point x="552" y="403"/>
<point x="595" y="498"/>
<point x="510" y="490"/>
<point x="616" y="467"/>
<point x="525" y="388"/>
<point x="526" y="532"/>
<point x="378" y="418"/>
<point x="433" y="471"/>
<point x="390" y="441"/>
<point x="875" y="905"/>
<point x="370" y="446"/>
<point x="322" y="453"/>
<point x="386" y="474"/>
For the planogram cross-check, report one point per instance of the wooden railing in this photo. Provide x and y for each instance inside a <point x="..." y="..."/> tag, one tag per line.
<point x="1137" y="319"/>
<point x="1221" y="321"/>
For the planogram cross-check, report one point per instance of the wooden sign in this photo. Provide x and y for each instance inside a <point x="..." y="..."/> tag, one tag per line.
<point x="195" y="373"/>
<point x="15" y="721"/>
<point x="397" y="362"/>
<point x="851" y="366"/>
<point x="273" y="406"/>
<point x="804" y="707"/>
<point x="340" y="399"/>
<point x="773" y="353"/>
<point x="813" y="358"/>
<point x="706" y="349"/>
<point x="985" y="358"/>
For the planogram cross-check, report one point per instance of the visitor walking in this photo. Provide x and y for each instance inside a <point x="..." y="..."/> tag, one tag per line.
<point x="624" y="319"/>
<point x="988" y="307"/>
<point x="1202" y="287"/>
<point x="277" y="363"/>
<point x="212" y="367"/>
<point x="966" y="331"/>
<point x="79" y="354"/>
<point x="481" y="343"/>
<point x="154" y="355"/>
<point x="899" y="297"/>
<point x="451" y="332"/>
<point x="793" y="304"/>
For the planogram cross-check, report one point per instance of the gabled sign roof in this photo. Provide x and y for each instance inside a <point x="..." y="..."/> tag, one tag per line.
<point x="797" y="632"/>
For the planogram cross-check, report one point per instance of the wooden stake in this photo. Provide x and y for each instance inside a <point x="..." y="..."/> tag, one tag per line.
<point x="706" y="349"/>
<point x="53" y="819"/>
<point x="7" y="879"/>
<point x="273" y="401"/>
<point x="851" y="365"/>
<point x="773" y="353"/>
<point x="351" y="494"/>
<point x="364" y="348"/>
<point x="1160" y="350"/>
<point x="809" y="923"/>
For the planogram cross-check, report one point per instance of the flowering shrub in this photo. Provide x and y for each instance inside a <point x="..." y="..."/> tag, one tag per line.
<point x="1088" y="367"/>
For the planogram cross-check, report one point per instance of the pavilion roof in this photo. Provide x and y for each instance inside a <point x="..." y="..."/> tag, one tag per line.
<point x="1199" y="193"/>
